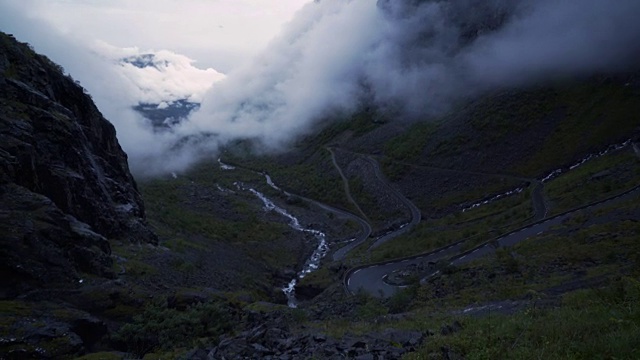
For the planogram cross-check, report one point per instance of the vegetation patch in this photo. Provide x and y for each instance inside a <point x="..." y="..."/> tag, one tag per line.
<point x="161" y="328"/>
<point x="475" y="226"/>
<point x="589" y="109"/>
<point x="590" y="324"/>
<point x="409" y="145"/>
<point x="594" y="180"/>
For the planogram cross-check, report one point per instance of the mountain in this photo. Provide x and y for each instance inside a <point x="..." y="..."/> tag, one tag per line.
<point x="503" y="228"/>
<point x="66" y="193"/>
<point x="146" y="60"/>
<point x="165" y="115"/>
<point x="509" y="217"/>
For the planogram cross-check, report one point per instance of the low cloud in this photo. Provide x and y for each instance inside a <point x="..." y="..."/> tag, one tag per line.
<point x="159" y="76"/>
<point x="413" y="59"/>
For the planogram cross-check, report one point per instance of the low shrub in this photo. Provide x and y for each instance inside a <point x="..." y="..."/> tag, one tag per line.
<point x="162" y="328"/>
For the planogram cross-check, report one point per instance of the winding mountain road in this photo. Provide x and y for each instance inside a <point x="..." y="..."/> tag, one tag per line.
<point x="539" y="202"/>
<point x="415" y="212"/>
<point x="364" y="224"/>
<point x="359" y="239"/>
<point x="416" y="216"/>
<point x="371" y="278"/>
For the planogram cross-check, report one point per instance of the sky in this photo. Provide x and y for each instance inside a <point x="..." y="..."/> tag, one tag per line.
<point x="280" y="69"/>
<point x="217" y="33"/>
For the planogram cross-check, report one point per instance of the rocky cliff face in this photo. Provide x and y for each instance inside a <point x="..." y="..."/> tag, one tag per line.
<point x="65" y="186"/>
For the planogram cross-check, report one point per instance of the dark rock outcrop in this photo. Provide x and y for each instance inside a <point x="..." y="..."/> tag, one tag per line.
<point x="46" y="330"/>
<point x="273" y="334"/>
<point x="65" y="186"/>
<point x="279" y="343"/>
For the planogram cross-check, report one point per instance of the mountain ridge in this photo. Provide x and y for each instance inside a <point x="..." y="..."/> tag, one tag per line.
<point x="66" y="196"/>
<point x="82" y="259"/>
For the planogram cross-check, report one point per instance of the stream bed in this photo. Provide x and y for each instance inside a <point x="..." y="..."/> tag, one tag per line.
<point x="320" y="251"/>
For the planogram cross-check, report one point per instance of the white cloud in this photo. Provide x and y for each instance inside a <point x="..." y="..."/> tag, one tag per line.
<point x="305" y="73"/>
<point x="172" y="76"/>
<point x="219" y="34"/>
<point x="414" y="58"/>
<point x="224" y="32"/>
<point x="418" y="57"/>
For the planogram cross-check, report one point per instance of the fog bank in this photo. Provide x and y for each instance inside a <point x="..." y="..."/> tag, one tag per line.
<point x="413" y="59"/>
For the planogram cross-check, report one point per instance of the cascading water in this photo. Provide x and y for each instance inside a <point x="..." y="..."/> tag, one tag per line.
<point x="497" y="197"/>
<point x="313" y="263"/>
<point x="552" y="175"/>
<point x="271" y="183"/>
<point x="604" y="152"/>
<point x="224" y="166"/>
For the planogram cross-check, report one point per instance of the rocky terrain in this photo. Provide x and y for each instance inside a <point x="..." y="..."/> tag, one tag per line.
<point x="197" y="271"/>
<point x="66" y="193"/>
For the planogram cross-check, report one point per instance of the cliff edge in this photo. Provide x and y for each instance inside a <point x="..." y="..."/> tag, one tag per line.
<point x="65" y="187"/>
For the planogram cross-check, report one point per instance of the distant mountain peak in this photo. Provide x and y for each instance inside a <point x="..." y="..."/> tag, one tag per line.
<point x="166" y="114"/>
<point x="146" y="60"/>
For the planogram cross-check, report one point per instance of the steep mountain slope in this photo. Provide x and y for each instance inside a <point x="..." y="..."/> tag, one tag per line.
<point x="442" y="186"/>
<point x="499" y="142"/>
<point x="66" y="193"/>
<point x="481" y="151"/>
<point x="502" y="165"/>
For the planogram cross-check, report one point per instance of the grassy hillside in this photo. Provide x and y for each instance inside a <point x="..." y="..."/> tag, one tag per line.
<point x="571" y="292"/>
<point x="526" y="132"/>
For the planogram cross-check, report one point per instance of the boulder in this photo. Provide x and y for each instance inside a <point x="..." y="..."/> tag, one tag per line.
<point x="47" y="330"/>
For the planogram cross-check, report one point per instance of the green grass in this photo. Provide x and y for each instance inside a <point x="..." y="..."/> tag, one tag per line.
<point x="599" y="321"/>
<point x="590" y="110"/>
<point x="615" y="172"/>
<point x="476" y="225"/>
<point x="161" y="328"/>
<point x="321" y="278"/>
<point x="169" y="209"/>
<point x="592" y="113"/>
<point x="193" y="218"/>
<point x="473" y="195"/>
<point x="368" y="202"/>
<point x="409" y="145"/>
<point x="314" y="177"/>
<point x="397" y="171"/>
<point x="571" y="119"/>
<point x="572" y="252"/>
<point x="590" y="324"/>
<point x="494" y="116"/>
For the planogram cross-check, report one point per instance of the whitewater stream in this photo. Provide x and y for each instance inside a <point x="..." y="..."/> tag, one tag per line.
<point x="313" y="262"/>
<point x="552" y="175"/>
<point x="321" y="250"/>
